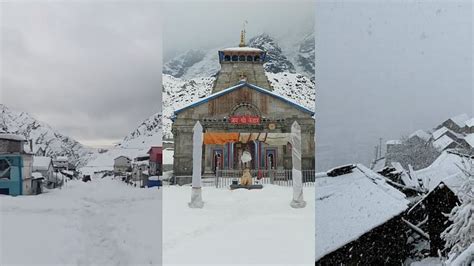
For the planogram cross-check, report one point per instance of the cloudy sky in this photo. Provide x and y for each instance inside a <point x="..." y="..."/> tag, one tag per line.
<point x="386" y="70"/>
<point x="211" y="24"/>
<point x="92" y="70"/>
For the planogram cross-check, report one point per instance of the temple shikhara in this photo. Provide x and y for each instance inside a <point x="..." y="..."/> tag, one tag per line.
<point x="242" y="115"/>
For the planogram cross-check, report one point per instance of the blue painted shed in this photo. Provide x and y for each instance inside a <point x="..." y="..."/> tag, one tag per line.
<point x="11" y="166"/>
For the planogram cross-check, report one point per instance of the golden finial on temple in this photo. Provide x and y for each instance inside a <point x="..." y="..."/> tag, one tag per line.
<point x="242" y="35"/>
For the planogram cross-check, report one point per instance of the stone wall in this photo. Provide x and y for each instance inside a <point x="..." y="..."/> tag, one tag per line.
<point x="212" y="116"/>
<point x="230" y="75"/>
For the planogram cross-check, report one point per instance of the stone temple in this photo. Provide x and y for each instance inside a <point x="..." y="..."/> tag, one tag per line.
<point x="242" y="114"/>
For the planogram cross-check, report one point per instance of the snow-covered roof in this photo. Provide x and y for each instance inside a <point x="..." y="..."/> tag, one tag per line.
<point x="248" y="85"/>
<point x="351" y="205"/>
<point x="443" y="142"/>
<point x="444" y="169"/>
<point x="13" y="137"/>
<point x="440" y="132"/>
<point x="470" y="139"/>
<point x="61" y="158"/>
<point x="36" y="175"/>
<point x="41" y="163"/>
<point x="394" y="142"/>
<point x="421" y="134"/>
<point x="242" y="49"/>
<point x="470" y="122"/>
<point x="121" y="157"/>
<point x="460" y="120"/>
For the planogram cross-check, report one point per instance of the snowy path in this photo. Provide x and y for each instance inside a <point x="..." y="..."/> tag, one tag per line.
<point x="103" y="222"/>
<point x="240" y="227"/>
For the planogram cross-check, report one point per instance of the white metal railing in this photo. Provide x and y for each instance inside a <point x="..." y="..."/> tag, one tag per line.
<point x="283" y="177"/>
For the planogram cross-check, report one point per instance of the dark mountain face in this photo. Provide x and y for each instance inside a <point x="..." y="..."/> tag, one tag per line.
<point x="276" y="61"/>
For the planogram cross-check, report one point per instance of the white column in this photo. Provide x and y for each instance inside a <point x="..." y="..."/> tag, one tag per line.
<point x="196" y="197"/>
<point x="295" y="140"/>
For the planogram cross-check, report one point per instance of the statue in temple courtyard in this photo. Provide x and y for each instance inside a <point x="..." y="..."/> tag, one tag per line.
<point x="246" y="179"/>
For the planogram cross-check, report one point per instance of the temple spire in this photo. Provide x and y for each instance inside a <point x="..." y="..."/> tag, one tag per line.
<point x="242" y="35"/>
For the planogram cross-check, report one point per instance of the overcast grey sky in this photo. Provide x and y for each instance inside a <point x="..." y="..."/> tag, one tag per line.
<point x="387" y="69"/>
<point x="92" y="70"/>
<point x="210" y="24"/>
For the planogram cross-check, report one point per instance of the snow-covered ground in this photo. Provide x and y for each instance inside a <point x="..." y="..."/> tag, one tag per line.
<point x="243" y="227"/>
<point x="103" y="222"/>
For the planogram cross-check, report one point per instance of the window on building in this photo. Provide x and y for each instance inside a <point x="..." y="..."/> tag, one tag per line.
<point x="4" y="169"/>
<point x="227" y="58"/>
<point x="242" y="58"/>
<point x="249" y="58"/>
<point x="256" y="58"/>
<point x="235" y="58"/>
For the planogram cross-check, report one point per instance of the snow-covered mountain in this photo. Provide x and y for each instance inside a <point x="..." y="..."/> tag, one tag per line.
<point x="179" y="65"/>
<point x="276" y="61"/>
<point x="147" y="134"/>
<point x="178" y="92"/>
<point x="136" y="143"/>
<point x="294" y="56"/>
<point x="43" y="136"/>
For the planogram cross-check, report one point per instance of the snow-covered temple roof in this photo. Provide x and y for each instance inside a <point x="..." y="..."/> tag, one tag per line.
<point x="248" y="85"/>
<point x="242" y="49"/>
<point x="351" y="205"/>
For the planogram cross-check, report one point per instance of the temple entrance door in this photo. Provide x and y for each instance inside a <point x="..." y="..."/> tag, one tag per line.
<point x="218" y="159"/>
<point x="270" y="159"/>
<point x="239" y="148"/>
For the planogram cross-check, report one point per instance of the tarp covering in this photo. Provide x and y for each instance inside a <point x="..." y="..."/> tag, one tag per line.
<point x="220" y="138"/>
<point x="276" y="139"/>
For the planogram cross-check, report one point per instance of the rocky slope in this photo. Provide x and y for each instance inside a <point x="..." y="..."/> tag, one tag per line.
<point x="297" y="56"/>
<point x="43" y="136"/>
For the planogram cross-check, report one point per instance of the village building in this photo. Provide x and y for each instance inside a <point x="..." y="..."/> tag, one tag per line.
<point x="15" y="166"/>
<point x="419" y="136"/>
<point x="140" y="166"/>
<point x="456" y="123"/>
<point x="61" y="163"/>
<point x="44" y="166"/>
<point x="469" y="127"/>
<point x="468" y="142"/>
<point x="444" y="131"/>
<point x="444" y="142"/>
<point x="156" y="161"/>
<point x="443" y="180"/>
<point x="362" y="222"/>
<point x="242" y="114"/>
<point x="392" y="147"/>
<point x="122" y="164"/>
